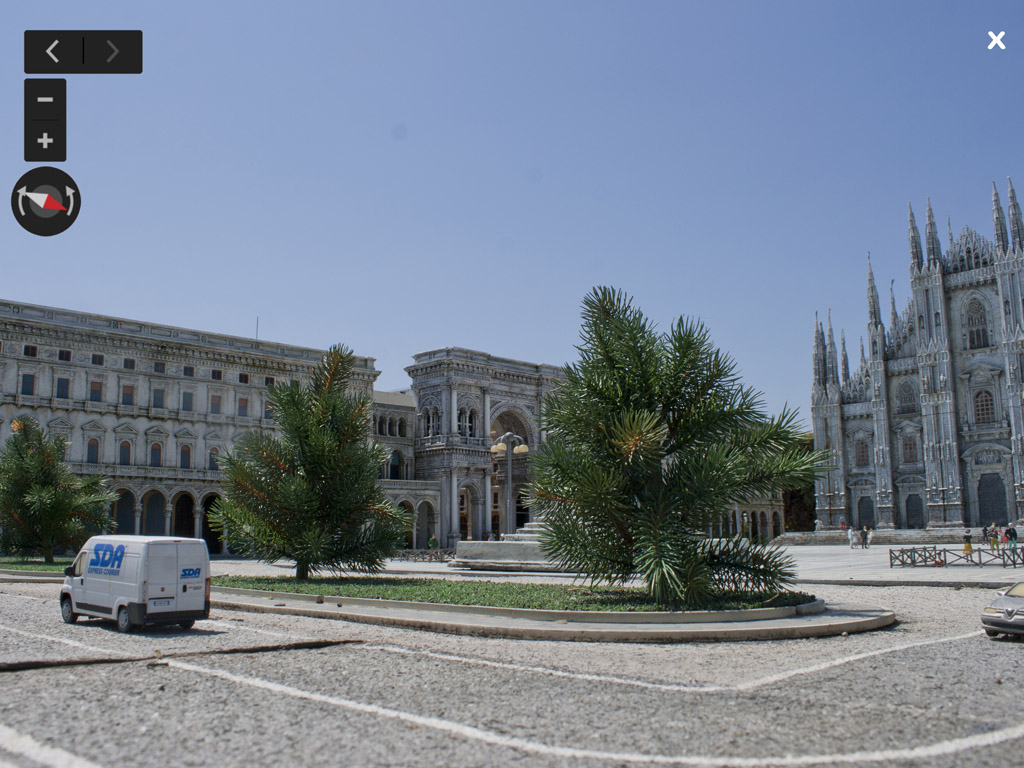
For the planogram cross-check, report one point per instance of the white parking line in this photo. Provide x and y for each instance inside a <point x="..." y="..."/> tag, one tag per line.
<point x="472" y="733"/>
<point x="24" y="745"/>
<point x="238" y="625"/>
<point x="674" y="687"/>
<point x="72" y="643"/>
<point x="461" y="730"/>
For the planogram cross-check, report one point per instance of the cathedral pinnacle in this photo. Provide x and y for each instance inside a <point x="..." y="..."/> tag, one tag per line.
<point x="892" y="304"/>
<point x="999" y="221"/>
<point x="819" y="352"/>
<point x="932" y="238"/>
<point x="874" y="313"/>
<point x="832" y="365"/>
<point x="1016" y="223"/>
<point x="915" y="241"/>
<point x="846" y="361"/>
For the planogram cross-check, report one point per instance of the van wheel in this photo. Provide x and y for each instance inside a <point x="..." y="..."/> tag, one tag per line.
<point x="67" y="611"/>
<point x="991" y="633"/>
<point x="124" y="621"/>
<point x="187" y="624"/>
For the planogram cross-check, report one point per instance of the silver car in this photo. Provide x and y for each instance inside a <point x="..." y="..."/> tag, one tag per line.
<point x="1005" y="615"/>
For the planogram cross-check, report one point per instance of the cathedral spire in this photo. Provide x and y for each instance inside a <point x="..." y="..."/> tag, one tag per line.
<point x="895" y="318"/>
<point x="949" y="228"/>
<point x="915" y="241"/>
<point x="1016" y="223"/>
<point x="833" y="366"/>
<point x="874" y="313"/>
<point x="932" y="238"/>
<point x="999" y="221"/>
<point x="846" y="361"/>
<point x="863" y="360"/>
<point x="819" y="352"/>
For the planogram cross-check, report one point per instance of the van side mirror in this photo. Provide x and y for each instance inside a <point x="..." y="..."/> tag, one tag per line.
<point x="69" y="571"/>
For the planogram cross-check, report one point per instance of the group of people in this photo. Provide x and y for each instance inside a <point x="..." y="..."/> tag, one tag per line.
<point x="994" y="536"/>
<point x="862" y="537"/>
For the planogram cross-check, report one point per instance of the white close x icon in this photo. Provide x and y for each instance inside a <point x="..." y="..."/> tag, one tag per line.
<point x="996" y="40"/>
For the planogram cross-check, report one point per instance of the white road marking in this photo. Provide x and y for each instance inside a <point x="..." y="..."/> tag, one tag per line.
<point x="847" y="660"/>
<point x="681" y="688"/>
<point x="72" y="643"/>
<point x="237" y="625"/>
<point x="24" y="745"/>
<point x="26" y="597"/>
<point x="952" y="746"/>
<point x="472" y="733"/>
<point x="546" y="670"/>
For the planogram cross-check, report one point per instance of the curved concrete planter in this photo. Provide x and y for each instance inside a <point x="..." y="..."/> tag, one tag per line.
<point x="809" y="620"/>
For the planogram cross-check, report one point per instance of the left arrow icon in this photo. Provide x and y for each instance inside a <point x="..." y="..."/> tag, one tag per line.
<point x="49" y="51"/>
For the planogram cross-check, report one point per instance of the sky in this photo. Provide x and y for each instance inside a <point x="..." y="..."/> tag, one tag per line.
<point x="406" y="176"/>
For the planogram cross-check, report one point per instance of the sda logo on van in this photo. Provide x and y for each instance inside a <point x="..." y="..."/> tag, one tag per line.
<point x="106" y="559"/>
<point x="190" y="573"/>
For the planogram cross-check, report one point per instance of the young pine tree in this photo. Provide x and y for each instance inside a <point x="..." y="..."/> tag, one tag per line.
<point x="45" y="506"/>
<point x="311" y="494"/>
<point x="651" y="438"/>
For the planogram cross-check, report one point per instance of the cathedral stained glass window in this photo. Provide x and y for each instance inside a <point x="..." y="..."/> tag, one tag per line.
<point x="984" y="408"/>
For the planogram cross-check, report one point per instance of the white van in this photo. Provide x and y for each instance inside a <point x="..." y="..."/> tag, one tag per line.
<point x="138" y="580"/>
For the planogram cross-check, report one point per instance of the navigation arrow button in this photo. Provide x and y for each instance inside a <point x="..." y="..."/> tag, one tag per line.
<point x="116" y="51"/>
<point x="49" y="51"/>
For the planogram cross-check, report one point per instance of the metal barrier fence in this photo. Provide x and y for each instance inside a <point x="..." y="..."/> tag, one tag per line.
<point x="912" y="557"/>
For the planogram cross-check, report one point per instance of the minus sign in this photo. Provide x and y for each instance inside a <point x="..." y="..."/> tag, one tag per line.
<point x="44" y="99"/>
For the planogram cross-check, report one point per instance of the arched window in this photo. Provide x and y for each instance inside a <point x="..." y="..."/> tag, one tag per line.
<point x="463" y="422"/>
<point x="909" y="449"/>
<point x="906" y="398"/>
<point x="861" y="453"/>
<point x="124" y="454"/>
<point x="472" y="423"/>
<point x="92" y="451"/>
<point x="391" y="427"/>
<point x="938" y="320"/>
<point x="984" y="408"/>
<point x="212" y="464"/>
<point x="155" y="455"/>
<point x="401" y="427"/>
<point x="395" y="466"/>
<point x="186" y="457"/>
<point x="977" y="325"/>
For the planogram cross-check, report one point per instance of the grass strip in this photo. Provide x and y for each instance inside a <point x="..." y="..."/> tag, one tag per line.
<point x="34" y="564"/>
<point x="552" y="597"/>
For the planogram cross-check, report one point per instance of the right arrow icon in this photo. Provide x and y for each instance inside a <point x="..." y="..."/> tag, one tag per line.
<point x="116" y="51"/>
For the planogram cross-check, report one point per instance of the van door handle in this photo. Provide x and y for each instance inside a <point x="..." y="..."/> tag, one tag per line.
<point x="184" y="587"/>
<point x="81" y="582"/>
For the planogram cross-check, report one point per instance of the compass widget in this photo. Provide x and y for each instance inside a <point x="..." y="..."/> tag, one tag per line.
<point x="46" y="201"/>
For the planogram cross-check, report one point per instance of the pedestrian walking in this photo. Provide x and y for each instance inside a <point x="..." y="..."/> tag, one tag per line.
<point x="864" y="537"/>
<point x="871" y="535"/>
<point x="967" y="541"/>
<point x="984" y="534"/>
<point x="993" y="538"/>
<point x="1011" y="536"/>
<point x="852" y="536"/>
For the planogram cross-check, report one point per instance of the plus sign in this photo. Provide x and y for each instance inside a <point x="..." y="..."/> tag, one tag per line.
<point x="46" y="141"/>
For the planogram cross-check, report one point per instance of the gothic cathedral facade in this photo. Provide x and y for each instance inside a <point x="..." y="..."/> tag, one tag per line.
<point x="928" y="432"/>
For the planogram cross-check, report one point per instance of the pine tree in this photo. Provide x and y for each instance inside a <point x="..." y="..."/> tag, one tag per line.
<point x="311" y="494"/>
<point x="43" y="504"/>
<point x="651" y="438"/>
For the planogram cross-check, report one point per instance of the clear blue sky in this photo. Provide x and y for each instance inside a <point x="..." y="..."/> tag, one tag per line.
<point x="402" y="176"/>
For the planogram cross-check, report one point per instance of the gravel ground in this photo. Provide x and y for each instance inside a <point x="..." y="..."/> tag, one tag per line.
<point x="182" y="710"/>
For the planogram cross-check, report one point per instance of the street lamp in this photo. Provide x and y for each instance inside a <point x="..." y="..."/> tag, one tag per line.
<point x="519" y="447"/>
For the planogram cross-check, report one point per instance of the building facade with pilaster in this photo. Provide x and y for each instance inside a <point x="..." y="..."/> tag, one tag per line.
<point x="927" y="432"/>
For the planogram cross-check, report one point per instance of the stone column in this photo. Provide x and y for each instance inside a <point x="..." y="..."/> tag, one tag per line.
<point x="138" y="518"/>
<point x="454" y="421"/>
<point x="453" y="513"/>
<point x="487" y="424"/>
<point x="198" y="527"/>
<point x="486" y="529"/>
<point x="167" y="519"/>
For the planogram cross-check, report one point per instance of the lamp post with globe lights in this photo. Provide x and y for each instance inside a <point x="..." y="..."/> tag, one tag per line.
<point x="518" y="447"/>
